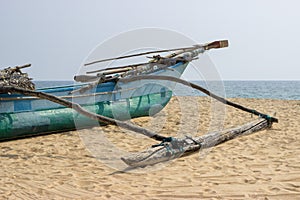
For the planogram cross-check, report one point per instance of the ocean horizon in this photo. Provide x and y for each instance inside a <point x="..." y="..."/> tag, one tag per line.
<point x="285" y="90"/>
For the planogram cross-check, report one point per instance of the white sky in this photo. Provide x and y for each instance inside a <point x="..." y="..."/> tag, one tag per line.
<point x="57" y="35"/>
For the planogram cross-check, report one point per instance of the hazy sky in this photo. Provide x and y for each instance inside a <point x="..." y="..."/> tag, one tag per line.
<point x="57" y="35"/>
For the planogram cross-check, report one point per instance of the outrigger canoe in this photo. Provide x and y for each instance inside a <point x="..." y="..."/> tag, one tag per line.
<point x="101" y="93"/>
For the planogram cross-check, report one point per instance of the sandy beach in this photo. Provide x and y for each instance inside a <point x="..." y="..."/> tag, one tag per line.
<point x="80" y="164"/>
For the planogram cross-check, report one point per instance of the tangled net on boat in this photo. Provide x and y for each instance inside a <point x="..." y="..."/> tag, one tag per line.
<point x="13" y="76"/>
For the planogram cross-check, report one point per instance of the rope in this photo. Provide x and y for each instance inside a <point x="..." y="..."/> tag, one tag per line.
<point x="163" y="142"/>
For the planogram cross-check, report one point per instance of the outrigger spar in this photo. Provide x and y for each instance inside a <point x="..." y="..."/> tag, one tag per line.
<point x="169" y="148"/>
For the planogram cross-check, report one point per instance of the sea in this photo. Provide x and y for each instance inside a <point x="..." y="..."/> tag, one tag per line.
<point x="286" y="90"/>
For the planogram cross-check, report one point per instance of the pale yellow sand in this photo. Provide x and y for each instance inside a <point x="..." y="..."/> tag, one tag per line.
<point x="264" y="165"/>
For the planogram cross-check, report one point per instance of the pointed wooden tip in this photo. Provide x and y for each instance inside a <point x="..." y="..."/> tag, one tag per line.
<point x="216" y="44"/>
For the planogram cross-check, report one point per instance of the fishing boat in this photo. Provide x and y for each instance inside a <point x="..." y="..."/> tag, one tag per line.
<point x="99" y="92"/>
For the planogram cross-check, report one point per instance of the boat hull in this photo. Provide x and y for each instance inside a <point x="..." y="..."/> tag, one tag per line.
<point x="25" y="124"/>
<point x="22" y="116"/>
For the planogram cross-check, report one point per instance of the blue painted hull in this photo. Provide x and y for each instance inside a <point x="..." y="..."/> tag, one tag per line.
<point x="22" y="116"/>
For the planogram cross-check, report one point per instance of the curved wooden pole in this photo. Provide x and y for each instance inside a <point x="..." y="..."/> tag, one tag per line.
<point x="205" y="91"/>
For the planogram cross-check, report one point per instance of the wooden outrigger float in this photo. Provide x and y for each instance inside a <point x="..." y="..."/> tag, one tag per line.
<point x="172" y="148"/>
<point x="169" y="148"/>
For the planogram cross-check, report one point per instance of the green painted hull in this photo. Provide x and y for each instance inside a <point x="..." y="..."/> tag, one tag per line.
<point x="25" y="124"/>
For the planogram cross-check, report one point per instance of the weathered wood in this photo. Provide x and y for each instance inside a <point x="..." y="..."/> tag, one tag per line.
<point x="109" y="71"/>
<point x="176" y="148"/>
<point x="79" y="109"/>
<point x="23" y="66"/>
<point x="139" y="54"/>
<point x="132" y="66"/>
<point x="86" y="78"/>
<point x="208" y="46"/>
